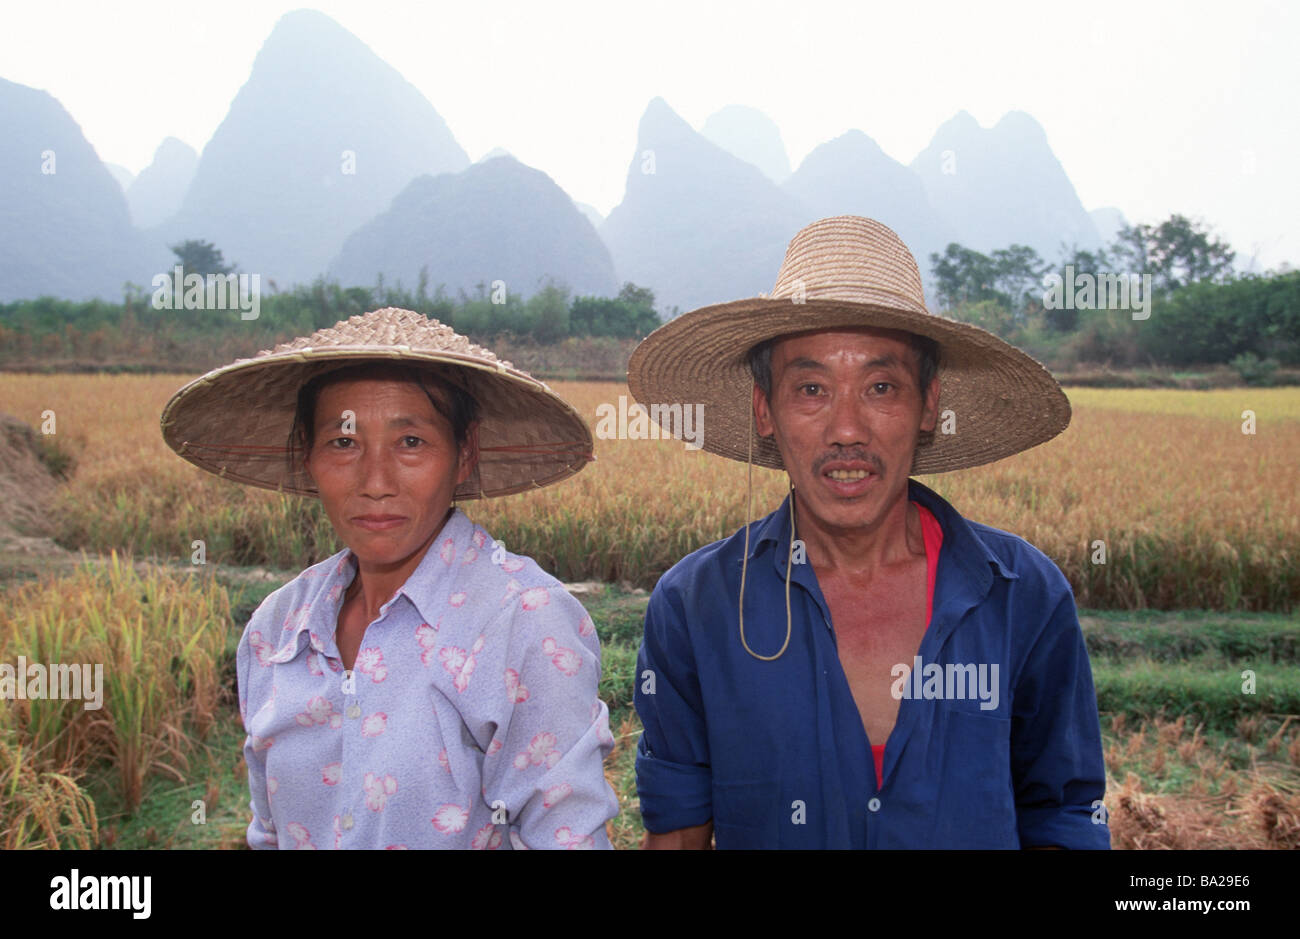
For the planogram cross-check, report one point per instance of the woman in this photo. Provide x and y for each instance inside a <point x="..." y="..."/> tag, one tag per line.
<point x="424" y="687"/>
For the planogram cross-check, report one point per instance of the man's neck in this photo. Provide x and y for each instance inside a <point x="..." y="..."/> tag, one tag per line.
<point x="861" y="550"/>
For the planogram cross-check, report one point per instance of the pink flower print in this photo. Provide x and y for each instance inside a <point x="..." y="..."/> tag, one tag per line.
<point x="571" y="840"/>
<point x="338" y="832"/>
<point x="534" y="598"/>
<point x="515" y="691"/>
<point x="272" y="785"/>
<point x="512" y="587"/>
<point x="540" y="752"/>
<point x="566" y="660"/>
<point x="371" y="662"/>
<point x="470" y="556"/>
<point x="262" y="743"/>
<point x="334" y="593"/>
<point x="320" y="711"/>
<point x="459" y="663"/>
<point x="458" y="598"/>
<point x="301" y="836"/>
<point x="448" y="551"/>
<point x="478" y="538"/>
<point x="427" y="637"/>
<point x="443" y="761"/>
<point x="378" y="789"/>
<point x="331" y="774"/>
<point x="585" y="626"/>
<point x="334" y="665"/>
<point x="486" y="838"/>
<point x="261" y="648"/>
<point x="512" y="565"/>
<point x="313" y="664"/>
<point x="297" y="618"/>
<point x="396" y="847"/>
<point x="556" y="794"/>
<point x="374" y="725"/>
<point x="516" y="842"/>
<point x="450" y="819"/>
<point x="494" y="747"/>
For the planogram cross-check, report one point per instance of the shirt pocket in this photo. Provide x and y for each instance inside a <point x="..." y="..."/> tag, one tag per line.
<point x="747" y="815"/>
<point x="976" y="805"/>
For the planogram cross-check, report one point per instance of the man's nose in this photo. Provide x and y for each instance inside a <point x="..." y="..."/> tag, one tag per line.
<point x="847" y="423"/>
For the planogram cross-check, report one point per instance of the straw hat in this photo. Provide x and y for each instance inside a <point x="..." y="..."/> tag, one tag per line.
<point x="842" y="272"/>
<point x="235" y="420"/>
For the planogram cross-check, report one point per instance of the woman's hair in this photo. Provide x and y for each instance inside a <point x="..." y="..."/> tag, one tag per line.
<point x="458" y="406"/>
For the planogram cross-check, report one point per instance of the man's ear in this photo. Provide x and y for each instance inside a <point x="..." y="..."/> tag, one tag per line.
<point x="930" y="406"/>
<point x="762" y="413"/>
<point x="468" y="454"/>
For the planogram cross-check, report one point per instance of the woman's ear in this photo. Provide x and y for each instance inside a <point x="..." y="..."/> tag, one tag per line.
<point x="468" y="453"/>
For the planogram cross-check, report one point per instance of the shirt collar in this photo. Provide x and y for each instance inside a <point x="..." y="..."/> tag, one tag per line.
<point x="960" y="542"/>
<point x="337" y="573"/>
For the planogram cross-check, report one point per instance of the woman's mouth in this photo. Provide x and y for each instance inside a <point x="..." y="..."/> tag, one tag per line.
<point x="378" y="522"/>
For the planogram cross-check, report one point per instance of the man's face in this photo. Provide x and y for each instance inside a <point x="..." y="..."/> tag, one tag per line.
<point x="387" y="487"/>
<point x="846" y="413"/>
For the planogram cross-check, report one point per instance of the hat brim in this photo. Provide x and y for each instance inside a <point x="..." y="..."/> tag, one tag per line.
<point x="235" y="421"/>
<point x="1001" y="401"/>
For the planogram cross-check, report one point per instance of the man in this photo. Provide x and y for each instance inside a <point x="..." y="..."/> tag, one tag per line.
<point x="862" y="668"/>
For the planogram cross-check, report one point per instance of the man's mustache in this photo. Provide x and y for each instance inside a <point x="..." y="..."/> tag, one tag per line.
<point x="853" y="454"/>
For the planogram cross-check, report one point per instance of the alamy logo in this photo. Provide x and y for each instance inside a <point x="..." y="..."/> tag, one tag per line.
<point x="102" y="892"/>
<point x="181" y="291"/>
<point x="635" y="422"/>
<point x="1098" y="292"/>
<point x="38" y="682"/>
<point x="952" y="682"/>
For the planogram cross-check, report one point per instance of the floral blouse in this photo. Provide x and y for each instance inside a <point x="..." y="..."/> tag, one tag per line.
<point x="470" y="719"/>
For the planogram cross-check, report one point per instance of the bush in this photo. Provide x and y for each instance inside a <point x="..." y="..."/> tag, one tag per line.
<point x="1253" y="370"/>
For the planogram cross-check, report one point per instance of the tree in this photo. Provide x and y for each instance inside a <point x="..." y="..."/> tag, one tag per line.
<point x="201" y="257"/>
<point x="1177" y="252"/>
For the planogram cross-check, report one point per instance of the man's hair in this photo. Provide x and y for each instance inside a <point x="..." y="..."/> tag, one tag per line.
<point x="459" y="407"/>
<point x="926" y="352"/>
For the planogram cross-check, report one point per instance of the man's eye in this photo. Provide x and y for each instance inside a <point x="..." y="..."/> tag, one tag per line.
<point x="882" y="387"/>
<point x="804" y="389"/>
<point x="417" y="440"/>
<point x="341" y="440"/>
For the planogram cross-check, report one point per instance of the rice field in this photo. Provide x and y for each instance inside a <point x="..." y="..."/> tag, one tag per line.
<point x="1191" y="511"/>
<point x="1193" y="514"/>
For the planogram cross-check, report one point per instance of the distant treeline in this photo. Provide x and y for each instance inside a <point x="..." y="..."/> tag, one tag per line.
<point x="135" y="334"/>
<point x="1182" y="304"/>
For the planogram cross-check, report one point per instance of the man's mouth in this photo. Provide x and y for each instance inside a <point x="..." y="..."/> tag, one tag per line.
<point x="849" y="478"/>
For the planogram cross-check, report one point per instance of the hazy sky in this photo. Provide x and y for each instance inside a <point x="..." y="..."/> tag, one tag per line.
<point x="1151" y="107"/>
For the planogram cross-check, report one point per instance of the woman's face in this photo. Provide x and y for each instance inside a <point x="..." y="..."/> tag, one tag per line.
<point x="387" y="485"/>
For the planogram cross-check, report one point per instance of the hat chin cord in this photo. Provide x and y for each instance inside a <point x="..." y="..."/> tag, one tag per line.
<point x="744" y="564"/>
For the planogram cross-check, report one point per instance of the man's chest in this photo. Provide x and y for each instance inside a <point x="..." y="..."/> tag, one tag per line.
<point x="877" y="628"/>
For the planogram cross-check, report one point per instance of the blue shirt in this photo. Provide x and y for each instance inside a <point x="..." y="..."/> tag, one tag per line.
<point x="1004" y="756"/>
<point x="469" y="720"/>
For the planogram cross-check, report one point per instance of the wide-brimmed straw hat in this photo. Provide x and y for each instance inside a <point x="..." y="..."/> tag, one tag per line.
<point x="235" y="420"/>
<point x="842" y="272"/>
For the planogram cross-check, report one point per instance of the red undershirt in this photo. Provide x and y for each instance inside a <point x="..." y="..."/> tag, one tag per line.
<point x="932" y="534"/>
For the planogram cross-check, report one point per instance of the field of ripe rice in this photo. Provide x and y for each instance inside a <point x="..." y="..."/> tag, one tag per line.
<point x="1193" y="513"/>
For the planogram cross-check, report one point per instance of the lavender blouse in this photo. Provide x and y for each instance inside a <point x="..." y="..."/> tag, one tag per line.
<point x="470" y="719"/>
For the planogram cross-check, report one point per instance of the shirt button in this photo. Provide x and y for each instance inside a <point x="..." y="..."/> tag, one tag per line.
<point x="354" y="710"/>
<point x="873" y="805"/>
<point x="346" y="821"/>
